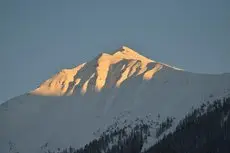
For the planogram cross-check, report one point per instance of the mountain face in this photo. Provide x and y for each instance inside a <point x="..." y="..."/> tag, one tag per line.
<point x="203" y="130"/>
<point x="115" y="92"/>
<point x="105" y="71"/>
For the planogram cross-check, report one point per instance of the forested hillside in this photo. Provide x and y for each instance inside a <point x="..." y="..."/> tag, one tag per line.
<point x="204" y="130"/>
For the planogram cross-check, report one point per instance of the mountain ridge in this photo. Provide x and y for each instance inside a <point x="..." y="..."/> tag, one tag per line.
<point x="108" y="91"/>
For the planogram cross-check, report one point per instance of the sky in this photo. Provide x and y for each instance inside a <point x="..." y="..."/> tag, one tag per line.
<point x="39" y="38"/>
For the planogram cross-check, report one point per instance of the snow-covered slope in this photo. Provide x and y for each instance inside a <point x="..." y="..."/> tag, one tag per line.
<point x="71" y="106"/>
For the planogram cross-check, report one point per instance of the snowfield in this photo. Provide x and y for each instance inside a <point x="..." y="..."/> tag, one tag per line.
<point x="72" y="106"/>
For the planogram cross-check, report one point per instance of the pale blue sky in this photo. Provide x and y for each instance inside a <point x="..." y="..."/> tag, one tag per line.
<point x="37" y="39"/>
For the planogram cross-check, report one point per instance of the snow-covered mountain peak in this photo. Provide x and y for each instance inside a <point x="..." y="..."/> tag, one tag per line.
<point x="125" y="51"/>
<point x="128" y="53"/>
<point x="107" y="70"/>
<point x="114" y="91"/>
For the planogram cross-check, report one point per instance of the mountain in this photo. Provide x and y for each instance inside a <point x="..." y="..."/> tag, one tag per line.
<point x="105" y="71"/>
<point x="114" y="93"/>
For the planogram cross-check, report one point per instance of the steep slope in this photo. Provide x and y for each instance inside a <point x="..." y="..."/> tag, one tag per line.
<point x="112" y="89"/>
<point x="203" y="130"/>
<point x="105" y="71"/>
